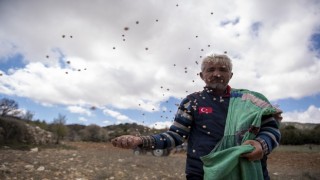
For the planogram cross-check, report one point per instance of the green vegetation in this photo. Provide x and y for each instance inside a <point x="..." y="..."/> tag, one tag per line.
<point x="94" y="133"/>
<point x="291" y="135"/>
<point x="58" y="127"/>
<point x="13" y="129"/>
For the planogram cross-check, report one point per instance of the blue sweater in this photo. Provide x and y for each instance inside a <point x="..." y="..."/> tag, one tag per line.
<point x="200" y="120"/>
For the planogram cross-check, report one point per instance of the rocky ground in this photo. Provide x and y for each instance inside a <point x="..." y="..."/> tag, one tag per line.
<point x="102" y="161"/>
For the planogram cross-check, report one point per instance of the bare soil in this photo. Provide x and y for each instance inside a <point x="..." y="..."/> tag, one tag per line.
<point x="102" y="161"/>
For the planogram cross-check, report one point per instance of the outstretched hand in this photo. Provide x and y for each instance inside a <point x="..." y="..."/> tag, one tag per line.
<point x="256" y="154"/>
<point x="126" y="141"/>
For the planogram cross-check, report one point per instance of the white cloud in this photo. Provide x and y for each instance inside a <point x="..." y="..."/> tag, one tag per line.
<point x="311" y="115"/>
<point x="164" y="108"/>
<point x="273" y="59"/>
<point x="117" y="115"/>
<point x="161" y="124"/>
<point x="83" y="119"/>
<point x="79" y="110"/>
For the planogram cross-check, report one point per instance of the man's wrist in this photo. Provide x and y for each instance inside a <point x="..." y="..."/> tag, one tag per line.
<point x="264" y="145"/>
<point x="148" y="142"/>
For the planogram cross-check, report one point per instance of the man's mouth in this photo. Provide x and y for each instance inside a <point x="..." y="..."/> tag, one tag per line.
<point x="216" y="80"/>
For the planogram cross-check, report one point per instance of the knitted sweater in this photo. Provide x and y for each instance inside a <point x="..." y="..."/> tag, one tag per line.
<point x="200" y="120"/>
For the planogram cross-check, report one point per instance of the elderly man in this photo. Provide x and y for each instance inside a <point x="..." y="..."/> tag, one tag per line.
<point x="229" y="131"/>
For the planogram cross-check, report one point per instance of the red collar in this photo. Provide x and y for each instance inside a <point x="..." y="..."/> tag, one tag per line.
<point x="228" y="90"/>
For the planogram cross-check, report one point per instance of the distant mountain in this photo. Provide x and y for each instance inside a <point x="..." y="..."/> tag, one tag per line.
<point x="302" y="126"/>
<point x="132" y="128"/>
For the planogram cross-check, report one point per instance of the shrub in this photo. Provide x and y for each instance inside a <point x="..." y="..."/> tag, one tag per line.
<point x="13" y="130"/>
<point x="94" y="133"/>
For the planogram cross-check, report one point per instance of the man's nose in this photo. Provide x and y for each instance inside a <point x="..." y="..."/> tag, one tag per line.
<point x="216" y="73"/>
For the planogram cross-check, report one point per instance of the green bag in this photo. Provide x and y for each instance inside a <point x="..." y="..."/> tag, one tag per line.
<point x="246" y="109"/>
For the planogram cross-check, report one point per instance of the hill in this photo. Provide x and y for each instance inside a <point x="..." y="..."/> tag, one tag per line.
<point x="14" y="130"/>
<point x="301" y="126"/>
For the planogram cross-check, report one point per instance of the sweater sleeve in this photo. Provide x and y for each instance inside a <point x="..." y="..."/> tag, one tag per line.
<point x="269" y="135"/>
<point x="178" y="131"/>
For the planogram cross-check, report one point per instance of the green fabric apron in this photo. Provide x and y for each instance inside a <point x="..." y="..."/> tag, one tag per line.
<point x="224" y="162"/>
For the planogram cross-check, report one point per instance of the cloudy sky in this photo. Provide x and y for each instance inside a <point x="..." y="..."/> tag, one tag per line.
<point x="117" y="61"/>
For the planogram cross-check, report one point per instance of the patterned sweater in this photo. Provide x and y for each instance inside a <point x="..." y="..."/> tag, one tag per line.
<point x="200" y="121"/>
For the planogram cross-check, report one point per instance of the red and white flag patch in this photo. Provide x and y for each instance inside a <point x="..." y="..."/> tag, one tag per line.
<point x="205" y="110"/>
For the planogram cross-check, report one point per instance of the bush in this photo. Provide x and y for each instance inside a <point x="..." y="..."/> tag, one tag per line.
<point x="293" y="136"/>
<point x="74" y="132"/>
<point x="13" y="130"/>
<point x="315" y="135"/>
<point x="58" y="127"/>
<point x="94" y="133"/>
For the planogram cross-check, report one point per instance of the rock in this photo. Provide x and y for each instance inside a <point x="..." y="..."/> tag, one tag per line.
<point x="34" y="149"/>
<point x="29" y="167"/>
<point x="36" y="135"/>
<point x="40" y="168"/>
<point x="120" y="174"/>
<point x="4" y="169"/>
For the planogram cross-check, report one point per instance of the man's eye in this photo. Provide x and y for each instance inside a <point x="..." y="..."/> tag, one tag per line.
<point x="223" y="69"/>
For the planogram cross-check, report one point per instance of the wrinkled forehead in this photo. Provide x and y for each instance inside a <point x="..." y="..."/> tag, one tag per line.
<point x="215" y="64"/>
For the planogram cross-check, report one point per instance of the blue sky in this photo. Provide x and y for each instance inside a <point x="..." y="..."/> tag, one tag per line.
<point x="133" y="62"/>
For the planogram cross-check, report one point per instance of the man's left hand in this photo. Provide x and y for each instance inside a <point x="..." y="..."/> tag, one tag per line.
<point x="256" y="154"/>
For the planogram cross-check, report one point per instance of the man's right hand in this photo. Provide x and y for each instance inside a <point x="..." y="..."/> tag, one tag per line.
<point x="126" y="141"/>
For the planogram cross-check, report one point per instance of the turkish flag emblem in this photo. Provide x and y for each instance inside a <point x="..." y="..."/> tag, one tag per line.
<point x="205" y="110"/>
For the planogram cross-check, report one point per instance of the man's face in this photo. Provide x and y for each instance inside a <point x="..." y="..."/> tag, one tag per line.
<point x="216" y="75"/>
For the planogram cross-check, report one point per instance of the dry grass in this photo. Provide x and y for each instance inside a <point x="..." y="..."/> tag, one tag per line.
<point x="295" y="162"/>
<point x="102" y="161"/>
<point x="88" y="161"/>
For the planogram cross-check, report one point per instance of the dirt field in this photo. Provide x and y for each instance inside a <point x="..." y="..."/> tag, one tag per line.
<point x="102" y="161"/>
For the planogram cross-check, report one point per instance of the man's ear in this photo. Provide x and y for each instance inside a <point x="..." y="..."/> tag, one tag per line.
<point x="231" y="75"/>
<point x="201" y="75"/>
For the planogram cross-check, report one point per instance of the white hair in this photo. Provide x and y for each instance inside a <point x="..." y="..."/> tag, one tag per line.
<point x="217" y="59"/>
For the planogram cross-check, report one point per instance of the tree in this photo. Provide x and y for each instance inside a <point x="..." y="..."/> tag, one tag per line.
<point x="94" y="133"/>
<point x="28" y="116"/>
<point x="9" y="107"/>
<point x="58" y="127"/>
<point x="315" y="134"/>
<point x="292" y="136"/>
<point x="74" y="132"/>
